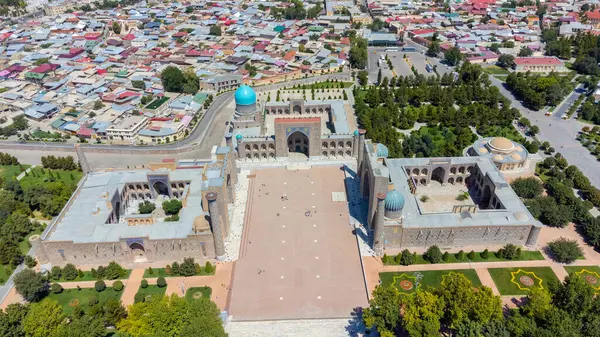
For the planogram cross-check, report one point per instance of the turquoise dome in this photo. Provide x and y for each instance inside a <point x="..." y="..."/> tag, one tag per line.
<point x="394" y="201"/>
<point x="238" y="136"/>
<point x="382" y="151"/>
<point x="245" y="95"/>
<point x="356" y="132"/>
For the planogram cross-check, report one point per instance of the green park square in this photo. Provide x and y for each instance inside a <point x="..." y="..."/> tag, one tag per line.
<point x="590" y="274"/>
<point x="510" y="281"/>
<point x="430" y="278"/>
<point x="198" y="292"/>
<point x="152" y="290"/>
<point x="70" y="298"/>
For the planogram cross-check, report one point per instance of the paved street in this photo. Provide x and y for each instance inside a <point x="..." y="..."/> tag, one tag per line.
<point x="560" y="133"/>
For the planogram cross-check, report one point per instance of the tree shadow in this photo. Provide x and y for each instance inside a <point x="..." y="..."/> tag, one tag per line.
<point x="356" y="327"/>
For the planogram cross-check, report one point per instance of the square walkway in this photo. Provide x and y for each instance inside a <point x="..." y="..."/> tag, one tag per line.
<point x="293" y="265"/>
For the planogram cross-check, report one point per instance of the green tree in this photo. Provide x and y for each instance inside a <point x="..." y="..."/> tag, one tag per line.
<point x="11" y="320"/>
<point x="31" y="285"/>
<point x="138" y="84"/>
<point x="506" y="61"/>
<point x="434" y="49"/>
<point x="564" y="250"/>
<point x="172" y="79"/>
<point x="215" y="30"/>
<point x="383" y="311"/>
<point x="363" y="77"/>
<point x="187" y="267"/>
<point x="453" y="56"/>
<point x="69" y="272"/>
<point x="100" y="286"/>
<point x="433" y="254"/>
<point x="525" y="52"/>
<point x="86" y="326"/>
<point x="527" y="188"/>
<point x="113" y="312"/>
<point x="407" y="258"/>
<point x="146" y="207"/>
<point x="203" y="320"/>
<point x="45" y="319"/>
<point x="116" y="27"/>
<point x="379" y="77"/>
<point x="172" y="206"/>
<point x="422" y="315"/>
<point x="114" y="271"/>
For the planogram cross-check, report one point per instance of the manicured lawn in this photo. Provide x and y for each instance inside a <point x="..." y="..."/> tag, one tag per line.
<point x="157" y="103"/>
<point x="521" y="279"/>
<point x="69" y="298"/>
<point x="590" y="274"/>
<point x="37" y="176"/>
<point x="430" y="278"/>
<point x="526" y="255"/>
<point x="5" y="272"/>
<point x="501" y="78"/>
<point x="494" y="70"/>
<point x="151" y="290"/>
<point x="87" y="276"/>
<point x="158" y="272"/>
<point x="10" y="171"/>
<point x="197" y="292"/>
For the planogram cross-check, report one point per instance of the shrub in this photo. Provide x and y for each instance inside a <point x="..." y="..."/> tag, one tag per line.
<point x="114" y="271"/>
<point x="385" y="258"/>
<point x="433" y="254"/>
<point x="564" y="250"/>
<point x="161" y="282"/>
<point x="461" y="255"/>
<point x="446" y="257"/>
<point x="69" y="272"/>
<point x="144" y="284"/>
<point x="471" y="255"/>
<point x="56" y="273"/>
<point x="100" y="285"/>
<point x="407" y="258"/>
<point x="398" y="258"/>
<point x="424" y="198"/>
<point x="168" y="270"/>
<point x="527" y="188"/>
<point x="118" y="285"/>
<point x="30" y="262"/>
<point x="101" y="273"/>
<point x="139" y="297"/>
<point x="56" y="288"/>
<point x="175" y="269"/>
<point x="94" y="273"/>
<point x="146" y="207"/>
<point x="80" y="273"/>
<point x="209" y="268"/>
<point x="485" y="254"/>
<point x="92" y="300"/>
<point x="197" y="268"/>
<point x="188" y="267"/>
<point x="509" y="252"/>
<point x="150" y="271"/>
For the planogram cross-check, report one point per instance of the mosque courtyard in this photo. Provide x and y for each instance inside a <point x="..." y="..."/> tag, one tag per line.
<point x="299" y="257"/>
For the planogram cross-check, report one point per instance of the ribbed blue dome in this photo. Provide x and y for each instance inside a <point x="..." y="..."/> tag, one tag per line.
<point x="356" y="132"/>
<point x="382" y="151"/>
<point x="245" y="95"/>
<point x="394" y="201"/>
<point x="238" y="136"/>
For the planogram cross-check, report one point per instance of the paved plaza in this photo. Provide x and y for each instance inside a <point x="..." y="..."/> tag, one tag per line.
<point x="299" y="258"/>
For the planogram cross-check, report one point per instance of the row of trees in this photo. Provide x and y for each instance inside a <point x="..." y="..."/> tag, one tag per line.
<point x="568" y="308"/>
<point x="537" y="91"/>
<point x="449" y="105"/>
<point x="60" y="163"/>
<point x="7" y="159"/>
<point x="187" y="268"/>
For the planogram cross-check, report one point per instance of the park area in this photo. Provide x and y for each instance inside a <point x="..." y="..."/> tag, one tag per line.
<point x="408" y="282"/>
<point x="518" y="281"/>
<point x="590" y="274"/>
<point x="71" y="298"/>
<point x="40" y="175"/>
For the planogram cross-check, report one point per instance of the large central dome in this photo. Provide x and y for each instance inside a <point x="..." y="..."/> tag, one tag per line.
<point x="245" y="95"/>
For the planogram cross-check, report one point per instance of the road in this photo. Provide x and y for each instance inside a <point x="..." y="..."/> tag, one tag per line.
<point x="560" y="133"/>
<point x="570" y="100"/>
<point x="208" y="133"/>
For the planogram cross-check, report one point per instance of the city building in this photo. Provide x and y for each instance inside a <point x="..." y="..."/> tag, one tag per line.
<point x="220" y="83"/>
<point x="101" y="222"/>
<point x="506" y="154"/>
<point x="458" y="201"/>
<point x="544" y="64"/>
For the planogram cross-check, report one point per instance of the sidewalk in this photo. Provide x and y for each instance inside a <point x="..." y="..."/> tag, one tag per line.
<point x="133" y="284"/>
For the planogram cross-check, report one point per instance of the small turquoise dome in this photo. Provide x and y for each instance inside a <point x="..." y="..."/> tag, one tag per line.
<point x="382" y="151"/>
<point x="356" y="132"/>
<point x="394" y="201"/>
<point x="238" y="136"/>
<point x="245" y="95"/>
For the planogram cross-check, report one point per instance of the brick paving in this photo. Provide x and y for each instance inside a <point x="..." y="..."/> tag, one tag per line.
<point x="133" y="284"/>
<point x="293" y="265"/>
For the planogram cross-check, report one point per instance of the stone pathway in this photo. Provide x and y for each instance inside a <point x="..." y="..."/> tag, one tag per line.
<point x="486" y="280"/>
<point x="133" y="284"/>
<point x="341" y="327"/>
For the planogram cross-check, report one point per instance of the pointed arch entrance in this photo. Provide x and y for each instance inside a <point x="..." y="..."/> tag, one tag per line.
<point x="298" y="142"/>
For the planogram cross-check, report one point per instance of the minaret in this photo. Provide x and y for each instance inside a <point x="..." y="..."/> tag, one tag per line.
<point x="361" y="151"/>
<point x="85" y="166"/>
<point x="378" y="234"/>
<point x="215" y="222"/>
